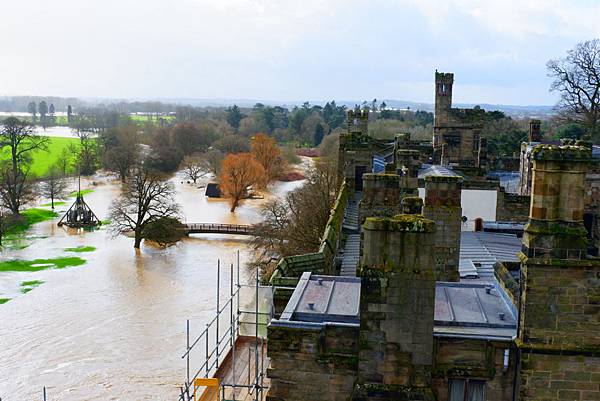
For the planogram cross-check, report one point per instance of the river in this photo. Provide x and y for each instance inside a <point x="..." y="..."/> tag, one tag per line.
<point x="114" y="328"/>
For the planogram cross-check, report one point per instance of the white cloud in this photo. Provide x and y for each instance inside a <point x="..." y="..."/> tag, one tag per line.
<point x="283" y="49"/>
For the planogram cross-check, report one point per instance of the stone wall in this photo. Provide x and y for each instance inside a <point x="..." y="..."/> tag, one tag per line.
<point x="512" y="207"/>
<point x="312" y="363"/>
<point x="397" y="308"/>
<point x="560" y="307"/>
<point x="442" y="205"/>
<point x="475" y="360"/>
<point x="559" y="377"/>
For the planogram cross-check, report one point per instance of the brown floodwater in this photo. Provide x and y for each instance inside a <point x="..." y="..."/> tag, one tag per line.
<point x="114" y="328"/>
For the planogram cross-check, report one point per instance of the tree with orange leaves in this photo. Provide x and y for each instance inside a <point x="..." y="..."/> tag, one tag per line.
<point x="267" y="153"/>
<point x="238" y="172"/>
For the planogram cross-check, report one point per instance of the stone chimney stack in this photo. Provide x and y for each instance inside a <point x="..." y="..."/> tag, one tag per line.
<point x="535" y="134"/>
<point x="559" y="307"/>
<point x="396" y="308"/>
<point x="442" y="205"/>
<point x="555" y="228"/>
<point x="408" y="163"/>
<point x="381" y="196"/>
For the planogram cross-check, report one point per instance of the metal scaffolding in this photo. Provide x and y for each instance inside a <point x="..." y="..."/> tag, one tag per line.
<point x="223" y="342"/>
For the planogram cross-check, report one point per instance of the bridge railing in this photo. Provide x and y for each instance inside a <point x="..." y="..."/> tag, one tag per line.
<point x="218" y="227"/>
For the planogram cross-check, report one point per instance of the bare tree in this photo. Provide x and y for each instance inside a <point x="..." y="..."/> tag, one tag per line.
<point x="54" y="185"/>
<point x="121" y="150"/>
<point x="295" y="224"/>
<point x="213" y="158"/>
<point x="19" y="139"/>
<point x="15" y="188"/>
<point x="145" y="198"/>
<point x="577" y="78"/>
<point x="7" y="221"/>
<point x="194" y="167"/>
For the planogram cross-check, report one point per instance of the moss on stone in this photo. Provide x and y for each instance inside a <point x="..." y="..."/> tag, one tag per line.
<point x="400" y="222"/>
<point x="564" y="152"/>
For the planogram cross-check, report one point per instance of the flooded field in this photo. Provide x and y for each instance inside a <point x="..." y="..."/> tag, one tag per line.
<point x="114" y="327"/>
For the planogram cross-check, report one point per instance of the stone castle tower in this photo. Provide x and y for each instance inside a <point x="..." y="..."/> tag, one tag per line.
<point x="560" y="286"/>
<point x="443" y="95"/>
<point x="456" y="132"/>
<point x="358" y="121"/>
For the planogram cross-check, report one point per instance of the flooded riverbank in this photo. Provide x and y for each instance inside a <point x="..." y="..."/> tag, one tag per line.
<point x="114" y="328"/>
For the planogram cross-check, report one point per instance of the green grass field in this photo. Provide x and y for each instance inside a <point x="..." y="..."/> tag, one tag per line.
<point x="81" y="249"/>
<point x="42" y="160"/>
<point x="39" y="264"/>
<point x="142" y="119"/>
<point x="30" y="217"/>
<point x="83" y="192"/>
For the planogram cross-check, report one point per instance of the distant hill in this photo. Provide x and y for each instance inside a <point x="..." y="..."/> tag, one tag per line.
<point x="19" y="104"/>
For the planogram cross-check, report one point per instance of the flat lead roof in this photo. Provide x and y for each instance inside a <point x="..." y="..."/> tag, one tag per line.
<point x="320" y="299"/>
<point x="475" y="310"/>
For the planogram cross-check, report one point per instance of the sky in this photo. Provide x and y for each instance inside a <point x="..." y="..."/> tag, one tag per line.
<point x="289" y="50"/>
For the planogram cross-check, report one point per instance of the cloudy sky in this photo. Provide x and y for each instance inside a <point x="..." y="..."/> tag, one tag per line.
<point x="288" y="49"/>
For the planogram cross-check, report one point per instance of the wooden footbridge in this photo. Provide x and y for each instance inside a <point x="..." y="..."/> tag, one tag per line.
<point x="218" y="228"/>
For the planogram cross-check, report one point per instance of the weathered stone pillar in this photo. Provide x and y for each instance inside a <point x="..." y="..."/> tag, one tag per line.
<point x="396" y="309"/>
<point x="442" y="205"/>
<point x="560" y="287"/>
<point x="381" y="196"/>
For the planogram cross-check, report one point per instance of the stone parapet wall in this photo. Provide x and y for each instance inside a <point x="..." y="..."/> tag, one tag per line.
<point x="321" y="262"/>
<point x="559" y="377"/>
<point x="317" y="362"/>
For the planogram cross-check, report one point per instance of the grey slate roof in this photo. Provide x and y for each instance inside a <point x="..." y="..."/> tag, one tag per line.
<point x="480" y="250"/>
<point x="473" y="310"/>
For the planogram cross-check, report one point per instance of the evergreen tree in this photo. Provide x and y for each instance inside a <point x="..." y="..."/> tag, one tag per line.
<point x="32" y="108"/>
<point x="319" y="134"/>
<point x="43" y="110"/>
<point x="234" y="116"/>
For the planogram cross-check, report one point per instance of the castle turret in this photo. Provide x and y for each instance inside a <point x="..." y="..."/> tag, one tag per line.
<point x="443" y="95"/>
<point x="358" y="121"/>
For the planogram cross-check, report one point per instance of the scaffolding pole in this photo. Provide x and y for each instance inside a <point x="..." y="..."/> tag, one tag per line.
<point x="213" y="354"/>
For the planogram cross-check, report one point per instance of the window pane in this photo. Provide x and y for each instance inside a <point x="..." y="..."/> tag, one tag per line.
<point x="475" y="391"/>
<point x="457" y="390"/>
